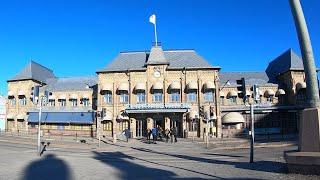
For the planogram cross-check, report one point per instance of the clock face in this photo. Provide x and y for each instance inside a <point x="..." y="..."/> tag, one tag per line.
<point x="156" y="74"/>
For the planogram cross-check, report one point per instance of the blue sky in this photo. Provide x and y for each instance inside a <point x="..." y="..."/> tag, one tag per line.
<point x="78" y="37"/>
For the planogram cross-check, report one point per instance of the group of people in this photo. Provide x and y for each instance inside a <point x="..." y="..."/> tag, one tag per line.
<point x="157" y="132"/>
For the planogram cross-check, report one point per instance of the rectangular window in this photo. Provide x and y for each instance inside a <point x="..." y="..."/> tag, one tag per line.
<point x="107" y="97"/>
<point x="22" y="101"/>
<point x="141" y="97"/>
<point x="60" y="127"/>
<point x="107" y="125"/>
<point x="12" y="101"/>
<point x="52" y="102"/>
<point x="208" y="96"/>
<point x="222" y="100"/>
<point x="157" y="96"/>
<point x="62" y="102"/>
<point x="233" y="100"/>
<point x="270" y="99"/>
<point x="124" y="97"/>
<point x="175" y="96"/>
<point x="85" y="102"/>
<point x="74" y="102"/>
<point x="192" y="96"/>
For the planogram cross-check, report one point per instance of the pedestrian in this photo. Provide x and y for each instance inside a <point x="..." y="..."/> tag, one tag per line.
<point x="167" y="134"/>
<point x="127" y="134"/>
<point x="160" y="132"/>
<point x="175" y="134"/>
<point x="148" y="135"/>
<point x="154" y="134"/>
<point x="171" y="135"/>
<point x="173" y="131"/>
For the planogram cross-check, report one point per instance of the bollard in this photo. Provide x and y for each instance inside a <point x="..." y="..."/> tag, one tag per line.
<point x="114" y="138"/>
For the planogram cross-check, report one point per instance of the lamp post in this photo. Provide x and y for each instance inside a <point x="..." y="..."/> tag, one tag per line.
<point x="307" y="54"/>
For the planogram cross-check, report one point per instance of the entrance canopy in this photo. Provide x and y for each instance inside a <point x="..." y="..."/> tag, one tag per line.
<point x="62" y="117"/>
<point x="232" y="118"/>
<point x="157" y="108"/>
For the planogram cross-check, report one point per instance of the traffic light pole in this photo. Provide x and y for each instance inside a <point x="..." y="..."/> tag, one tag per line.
<point x="39" y="125"/>
<point x="252" y="133"/>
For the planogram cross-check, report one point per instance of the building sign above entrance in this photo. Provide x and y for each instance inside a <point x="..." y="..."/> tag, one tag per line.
<point x="156" y="108"/>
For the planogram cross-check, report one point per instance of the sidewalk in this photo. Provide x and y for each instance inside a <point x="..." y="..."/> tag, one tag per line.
<point x="70" y="142"/>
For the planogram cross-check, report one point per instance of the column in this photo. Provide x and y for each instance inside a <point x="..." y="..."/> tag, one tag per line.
<point x="133" y="127"/>
<point x="149" y="123"/>
<point x="167" y="122"/>
<point x="202" y="126"/>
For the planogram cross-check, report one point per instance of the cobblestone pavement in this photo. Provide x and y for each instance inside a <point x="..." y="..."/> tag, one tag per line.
<point x="140" y="160"/>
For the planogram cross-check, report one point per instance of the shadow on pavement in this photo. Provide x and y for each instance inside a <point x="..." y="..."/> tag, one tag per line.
<point x="264" y="166"/>
<point x="130" y="170"/>
<point x="49" y="167"/>
<point x="215" y="154"/>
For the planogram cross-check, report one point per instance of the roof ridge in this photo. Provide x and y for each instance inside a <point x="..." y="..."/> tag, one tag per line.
<point x="165" y="50"/>
<point x="243" y="72"/>
<point x="34" y="62"/>
<point x="70" y="77"/>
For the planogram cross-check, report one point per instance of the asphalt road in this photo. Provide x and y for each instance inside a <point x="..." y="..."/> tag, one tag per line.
<point x="140" y="160"/>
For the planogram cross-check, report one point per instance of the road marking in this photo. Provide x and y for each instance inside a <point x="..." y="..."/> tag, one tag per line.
<point x="3" y="140"/>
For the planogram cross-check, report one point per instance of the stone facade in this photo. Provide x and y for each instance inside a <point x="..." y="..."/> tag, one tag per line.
<point x="169" y="89"/>
<point x="148" y="78"/>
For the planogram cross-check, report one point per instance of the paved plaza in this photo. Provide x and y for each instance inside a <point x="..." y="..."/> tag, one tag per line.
<point x="139" y="160"/>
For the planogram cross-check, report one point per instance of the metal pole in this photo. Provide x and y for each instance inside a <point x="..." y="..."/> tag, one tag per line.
<point x="252" y="133"/>
<point x="307" y="54"/>
<point x="207" y="134"/>
<point x="155" y="32"/>
<point x="39" y="124"/>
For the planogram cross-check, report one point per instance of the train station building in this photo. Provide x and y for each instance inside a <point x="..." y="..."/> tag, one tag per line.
<point x="140" y="90"/>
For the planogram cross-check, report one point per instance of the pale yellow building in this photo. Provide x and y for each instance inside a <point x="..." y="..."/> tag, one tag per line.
<point x="168" y="89"/>
<point x="142" y="90"/>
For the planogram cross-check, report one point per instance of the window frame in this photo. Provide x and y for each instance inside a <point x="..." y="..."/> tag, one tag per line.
<point x="140" y="97"/>
<point x="175" y="96"/>
<point x="192" y="97"/>
<point x="157" y="96"/>
<point x="123" y="97"/>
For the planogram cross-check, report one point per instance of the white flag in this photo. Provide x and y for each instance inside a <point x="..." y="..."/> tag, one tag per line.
<point x="152" y="19"/>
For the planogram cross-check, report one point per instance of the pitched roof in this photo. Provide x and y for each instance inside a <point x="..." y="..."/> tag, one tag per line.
<point x="70" y="83"/>
<point x="137" y="60"/>
<point x="34" y="71"/>
<point x="289" y="60"/>
<point x="156" y="56"/>
<point x="251" y="78"/>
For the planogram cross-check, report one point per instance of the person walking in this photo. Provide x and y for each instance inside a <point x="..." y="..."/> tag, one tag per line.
<point x="171" y="135"/>
<point x="175" y="132"/>
<point x="160" y="132"/>
<point x="154" y="134"/>
<point x="148" y="135"/>
<point x="167" y="134"/>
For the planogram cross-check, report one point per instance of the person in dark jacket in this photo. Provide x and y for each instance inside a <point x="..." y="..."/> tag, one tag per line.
<point x="167" y="134"/>
<point x="148" y="135"/>
<point x="173" y="131"/>
<point x="154" y="135"/>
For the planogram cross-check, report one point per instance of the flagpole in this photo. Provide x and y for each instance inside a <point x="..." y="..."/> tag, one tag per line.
<point x="155" y="33"/>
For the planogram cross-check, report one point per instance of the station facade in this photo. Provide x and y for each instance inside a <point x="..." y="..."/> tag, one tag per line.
<point x="165" y="88"/>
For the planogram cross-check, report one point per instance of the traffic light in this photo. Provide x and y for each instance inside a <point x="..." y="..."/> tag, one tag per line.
<point x="256" y="93"/>
<point x="35" y="94"/>
<point x="241" y="87"/>
<point x="201" y="111"/>
<point x="46" y="95"/>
